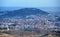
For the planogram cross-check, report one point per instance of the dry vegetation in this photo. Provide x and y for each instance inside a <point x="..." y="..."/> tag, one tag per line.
<point x="23" y="34"/>
<point x="5" y="33"/>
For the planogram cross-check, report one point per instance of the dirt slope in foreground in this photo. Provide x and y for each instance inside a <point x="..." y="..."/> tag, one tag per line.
<point x="6" y="35"/>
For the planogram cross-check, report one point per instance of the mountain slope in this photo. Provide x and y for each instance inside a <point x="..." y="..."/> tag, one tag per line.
<point x="24" y="12"/>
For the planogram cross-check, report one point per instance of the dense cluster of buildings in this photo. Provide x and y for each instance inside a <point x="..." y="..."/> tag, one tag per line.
<point x="21" y="24"/>
<point x="32" y="21"/>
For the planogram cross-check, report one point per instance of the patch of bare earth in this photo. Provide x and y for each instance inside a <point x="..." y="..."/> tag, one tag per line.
<point x="6" y="35"/>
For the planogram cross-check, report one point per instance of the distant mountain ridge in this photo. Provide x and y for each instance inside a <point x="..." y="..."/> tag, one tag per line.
<point x="27" y="12"/>
<point x="24" y="12"/>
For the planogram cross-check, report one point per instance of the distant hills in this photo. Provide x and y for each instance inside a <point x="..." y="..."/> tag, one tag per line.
<point x="23" y="12"/>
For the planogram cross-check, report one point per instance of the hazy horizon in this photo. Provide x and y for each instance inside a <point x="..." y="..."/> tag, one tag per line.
<point x="29" y="3"/>
<point x="50" y="6"/>
<point x="52" y="10"/>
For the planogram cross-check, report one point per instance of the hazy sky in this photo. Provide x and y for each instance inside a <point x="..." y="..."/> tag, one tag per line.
<point x="29" y="3"/>
<point x="50" y="6"/>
